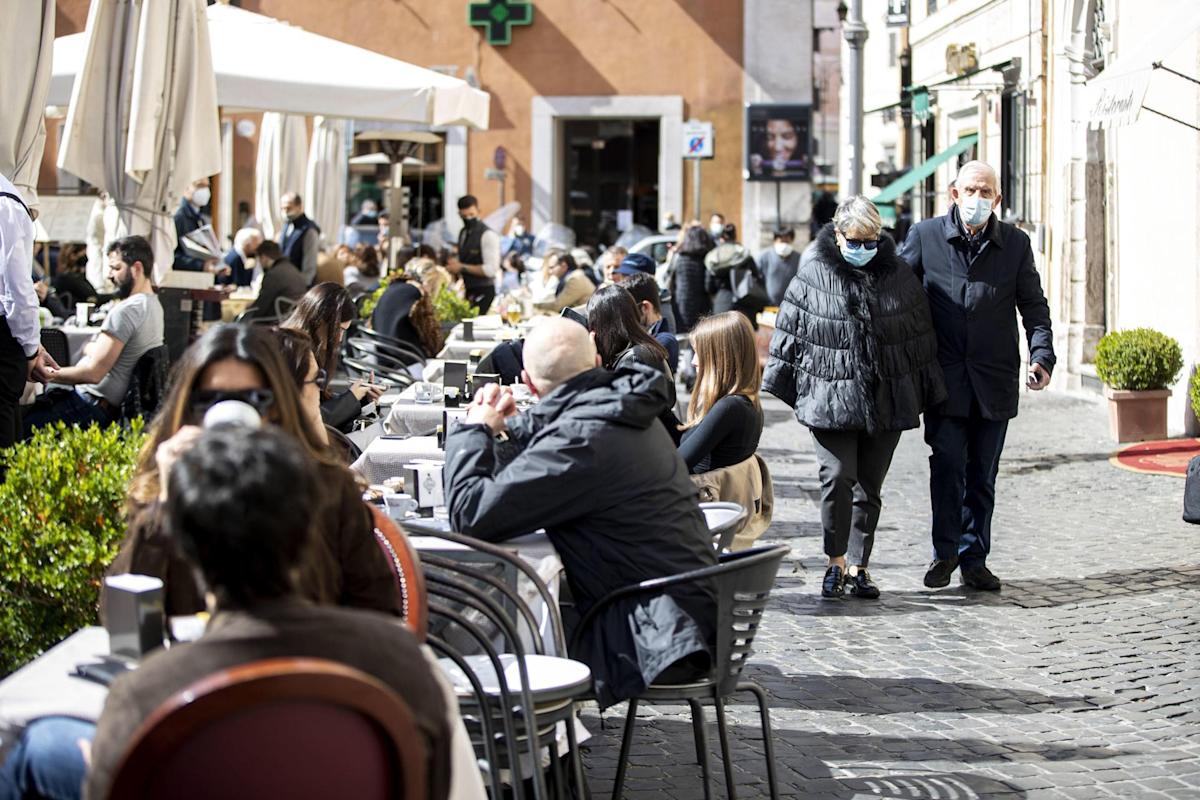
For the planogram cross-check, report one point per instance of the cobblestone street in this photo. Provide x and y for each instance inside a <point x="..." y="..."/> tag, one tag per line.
<point x="1080" y="679"/>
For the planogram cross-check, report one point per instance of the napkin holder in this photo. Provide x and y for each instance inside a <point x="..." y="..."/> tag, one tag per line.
<point x="481" y="379"/>
<point x="134" y="614"/>
<point x="423" y="479"/>
<point x="468" y="330"/>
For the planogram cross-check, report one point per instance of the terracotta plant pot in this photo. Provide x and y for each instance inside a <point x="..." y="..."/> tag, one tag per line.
<point x="1137" y="416"/>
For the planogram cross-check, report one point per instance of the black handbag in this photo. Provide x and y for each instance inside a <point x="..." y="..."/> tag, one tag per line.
<point x="749" y="290"/>
<point x="1191" y="493"/>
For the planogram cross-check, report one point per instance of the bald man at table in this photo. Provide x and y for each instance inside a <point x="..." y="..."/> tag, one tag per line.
<point x="602" y="476"/>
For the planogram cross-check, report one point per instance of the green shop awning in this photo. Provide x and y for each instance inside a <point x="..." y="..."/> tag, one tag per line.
<point x="923" y="170"/>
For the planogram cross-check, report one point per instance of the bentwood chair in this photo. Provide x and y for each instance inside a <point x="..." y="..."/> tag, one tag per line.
<point x="743" y="581"/>
<point x="304" y="729"/>
<point x="405" y="564"/>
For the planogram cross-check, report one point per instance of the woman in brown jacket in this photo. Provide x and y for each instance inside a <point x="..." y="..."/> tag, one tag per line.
<point x="233" y="362"/>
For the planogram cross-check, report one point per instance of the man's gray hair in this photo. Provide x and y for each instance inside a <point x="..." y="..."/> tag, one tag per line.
<point x="981" y="167"/>
<point x="557" y="350"/>
<point x="857" y="213"/>
<point x="244" y="236"/>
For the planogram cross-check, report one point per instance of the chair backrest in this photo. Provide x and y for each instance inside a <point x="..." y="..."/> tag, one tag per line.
<point x="744" y="581"/>
<point x="724" y="521"/>
<point x="406" y="569"/>
<point x="288" y="727"/>
<point x="56" y="344"/>
<point x="397" y="357"/>
<point x="363" y="332"/>
<point x="362" y="368"/>
<point x="284" y="306"/>
<point x="147" y="384"/>
<point x="350" y="450"/>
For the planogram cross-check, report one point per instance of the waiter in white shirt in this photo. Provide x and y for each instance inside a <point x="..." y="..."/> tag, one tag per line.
<point x="22" y="357"/>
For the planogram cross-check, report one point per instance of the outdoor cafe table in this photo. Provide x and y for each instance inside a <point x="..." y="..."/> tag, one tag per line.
<point x="77" y="339"/>
<point x="386" y="455"/>
<point x="405" y="416"/>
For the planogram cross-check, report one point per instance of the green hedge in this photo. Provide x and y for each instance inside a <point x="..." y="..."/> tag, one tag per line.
<point x="1195" y="392"/>
<point x="61" y="521"/>
<point x="1138" y="359"/>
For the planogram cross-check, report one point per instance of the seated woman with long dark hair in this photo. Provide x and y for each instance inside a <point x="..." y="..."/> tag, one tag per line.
<point x="325" y="313"/>
<point x="725" y="419"/>
<point x="621" y="339"/>
<point x="236" y="362"/>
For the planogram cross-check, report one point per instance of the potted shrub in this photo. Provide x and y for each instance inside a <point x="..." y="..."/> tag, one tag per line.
<point x="452" y="309"/>
<point x="1194" y="392"/>
<point x="1137" y="366"/>
<point x="61" y="522"/>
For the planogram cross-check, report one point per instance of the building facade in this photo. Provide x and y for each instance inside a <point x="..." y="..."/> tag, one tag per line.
<point x="588" y="103"/>
<point x="1015" y="83"/>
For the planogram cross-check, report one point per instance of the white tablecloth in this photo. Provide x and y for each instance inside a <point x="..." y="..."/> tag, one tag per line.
<point x="77" y="339"/>
<point x="407" y="417"/>
<point x="48" y="686"/>
<point x="385" y="456"/>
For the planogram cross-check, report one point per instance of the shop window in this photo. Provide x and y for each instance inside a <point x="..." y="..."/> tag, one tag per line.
<point x="1014" y="164"/>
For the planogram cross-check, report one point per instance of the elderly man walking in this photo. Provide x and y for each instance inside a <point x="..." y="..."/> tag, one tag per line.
<point x="977" y="272"/>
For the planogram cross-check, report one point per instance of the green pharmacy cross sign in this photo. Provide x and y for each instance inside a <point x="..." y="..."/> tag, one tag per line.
<point x="498" y="17"/>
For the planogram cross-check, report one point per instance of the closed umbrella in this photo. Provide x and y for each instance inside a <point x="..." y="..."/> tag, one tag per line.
<point x="280" y="167"/>
<point x="325" y="188"/>
<point x="26" y="48"/>
<point x="143" y="120"/>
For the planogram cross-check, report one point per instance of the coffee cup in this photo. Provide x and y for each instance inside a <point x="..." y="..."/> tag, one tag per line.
<point x="83" y="314"/>
<point x="398" y="504"/>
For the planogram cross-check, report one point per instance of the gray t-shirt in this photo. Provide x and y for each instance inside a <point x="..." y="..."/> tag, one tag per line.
<point x="138" y="322"/>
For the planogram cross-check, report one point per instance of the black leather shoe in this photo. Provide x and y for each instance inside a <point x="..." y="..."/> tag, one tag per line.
<point x="980" y="577"/>
<point x="834" y="584"/>
<point x="862" y="586"/>
<point x="939" y="573"/>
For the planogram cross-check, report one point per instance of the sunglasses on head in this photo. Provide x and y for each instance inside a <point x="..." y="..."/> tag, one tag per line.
<point x="855" y="244"/>
<point x="260" y="399"/>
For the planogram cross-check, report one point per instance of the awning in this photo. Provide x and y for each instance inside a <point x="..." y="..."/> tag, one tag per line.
<point x="1115" y="96"/>
<point x="908" y="180"/>
<point x="262" y="64"/>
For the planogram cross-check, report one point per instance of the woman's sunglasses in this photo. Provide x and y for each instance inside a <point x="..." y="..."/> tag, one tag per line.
<point x="318" y="379"/>
<point x="260" y="399"/>
<point x="856" y="244"/>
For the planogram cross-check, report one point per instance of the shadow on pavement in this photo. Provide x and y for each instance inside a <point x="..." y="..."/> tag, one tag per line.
<point x="1029" y="465"/>
<point x="854" y="695"/>
<point x="662" y="759"/>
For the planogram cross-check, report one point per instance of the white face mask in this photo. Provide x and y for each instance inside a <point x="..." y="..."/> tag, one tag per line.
<point x="716" y="229"/>
<point x="784" y="249"/>
<point x="974" y="210"/>
<point x="201" y="196"/>
<point x="518" y="230"/>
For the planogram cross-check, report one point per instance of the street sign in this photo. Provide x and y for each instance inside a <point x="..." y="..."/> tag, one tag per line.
<point x="697" y="139"/>
<point x="897" y="14"/>
<point x="490" y="174"/>
<point x="499" y="158"/>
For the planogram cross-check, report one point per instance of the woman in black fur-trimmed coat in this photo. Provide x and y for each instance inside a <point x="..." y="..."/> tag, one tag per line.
<point x="855" y="355"/>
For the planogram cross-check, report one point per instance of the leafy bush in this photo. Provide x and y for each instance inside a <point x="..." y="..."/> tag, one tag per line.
<point x="1138" y="359"/>
<point x="449" y="307"/>
<point x="61" y="523"/>
<point x="1195" y="392"/>
<point x="368" y="305"/>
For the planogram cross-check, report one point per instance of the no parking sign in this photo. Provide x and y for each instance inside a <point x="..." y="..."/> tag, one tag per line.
<point x="697" y="140"/>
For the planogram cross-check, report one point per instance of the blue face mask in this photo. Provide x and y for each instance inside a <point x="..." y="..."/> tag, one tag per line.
<point x="856" y="256"/>
<point x="974" y="210"/>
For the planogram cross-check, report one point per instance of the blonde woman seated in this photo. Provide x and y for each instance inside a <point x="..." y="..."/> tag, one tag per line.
<point x="725" y="419"/>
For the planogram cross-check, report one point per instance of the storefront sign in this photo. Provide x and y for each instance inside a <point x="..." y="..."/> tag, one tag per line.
<point x="697" y="139"/>
<point x="497" y="18"/>
<point x="897" y="13"/>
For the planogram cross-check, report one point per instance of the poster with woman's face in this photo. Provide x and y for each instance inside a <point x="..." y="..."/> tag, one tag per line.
<point x="779" y="137"/>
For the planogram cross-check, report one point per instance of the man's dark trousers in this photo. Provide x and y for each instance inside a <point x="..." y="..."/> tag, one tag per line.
<point x="13" y="370"/>
<point x="962" y="483"/>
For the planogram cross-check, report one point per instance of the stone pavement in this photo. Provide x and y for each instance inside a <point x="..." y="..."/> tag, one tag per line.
<point x="1080" y="679"/>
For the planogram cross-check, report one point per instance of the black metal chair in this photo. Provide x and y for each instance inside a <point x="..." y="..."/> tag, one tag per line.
<point x="366" y="367"/>
<point x="284" y="306"/>
<point x="361" y="332"/>
<point x="744" y="580"/>
<point x="147" y="384"/>
<point x="554" y="698"/>
<point x="404" y="355"/>
<point x="56" y="344"/>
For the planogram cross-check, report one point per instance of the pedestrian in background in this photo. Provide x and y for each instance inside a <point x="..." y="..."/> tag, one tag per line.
<point x="692" y="300"/>
<point x="778" y="265"/>
<point x="855" y="356"/>
<point x="978" y="272"/>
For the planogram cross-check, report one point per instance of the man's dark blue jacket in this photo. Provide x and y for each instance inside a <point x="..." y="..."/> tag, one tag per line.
<point x="974" y="303"/>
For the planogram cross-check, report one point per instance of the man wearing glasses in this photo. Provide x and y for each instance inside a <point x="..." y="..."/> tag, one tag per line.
<point x="92" y="390"/>
<point x="978" y="272"/>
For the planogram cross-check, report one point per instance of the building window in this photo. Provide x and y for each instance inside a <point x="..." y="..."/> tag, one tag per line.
<point x="1014" y="164"/>
<point x="893" y="48"/>
<point x="931" y="6"/>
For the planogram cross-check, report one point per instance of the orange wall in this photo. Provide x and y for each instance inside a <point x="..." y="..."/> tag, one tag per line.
<point x="691" y="48"/>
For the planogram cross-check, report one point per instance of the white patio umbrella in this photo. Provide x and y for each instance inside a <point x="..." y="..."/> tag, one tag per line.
<point x="143" y="122"/>
<point x="325" y="186"/>
<point x="319" y="75"/>
<point x="280" y="167"/>
<point x="26" y="44"/>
